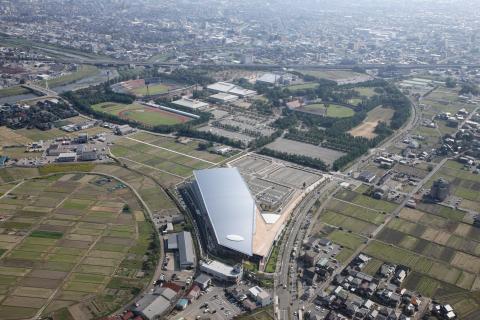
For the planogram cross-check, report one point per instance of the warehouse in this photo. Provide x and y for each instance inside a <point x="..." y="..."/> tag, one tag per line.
<point x="182" y="243"/>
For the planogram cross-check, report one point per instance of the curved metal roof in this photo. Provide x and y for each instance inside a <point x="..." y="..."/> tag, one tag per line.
<point x="230" y="207"/>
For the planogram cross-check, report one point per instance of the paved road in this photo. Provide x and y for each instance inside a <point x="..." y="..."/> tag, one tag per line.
<point x="285" y="281"/>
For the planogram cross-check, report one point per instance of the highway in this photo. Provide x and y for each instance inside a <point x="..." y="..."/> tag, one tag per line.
<point x="114" y="63"/>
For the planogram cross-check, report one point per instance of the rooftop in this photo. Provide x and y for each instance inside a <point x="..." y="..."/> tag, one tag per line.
<point x="190" y="103"/>
<point x="230" y="207"/>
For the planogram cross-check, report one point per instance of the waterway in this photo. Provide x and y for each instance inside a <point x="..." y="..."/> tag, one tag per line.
<point x="101" y="77"/>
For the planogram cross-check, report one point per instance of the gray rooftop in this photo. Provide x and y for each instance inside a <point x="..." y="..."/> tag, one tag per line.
<point x="185" y="248"/>
<point x="230" y="207"/>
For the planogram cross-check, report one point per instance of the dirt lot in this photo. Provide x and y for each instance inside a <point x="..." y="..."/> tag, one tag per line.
<point x="367" y="128"/>
<point x="294" y="147"/>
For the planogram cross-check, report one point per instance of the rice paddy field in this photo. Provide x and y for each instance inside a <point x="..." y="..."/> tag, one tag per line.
<point x="442" y="248"/>
<point x="70" y="241"/>
<point x="463" y="184"/>
<point x="438" y="244"/>
<point x="142" y="114"/>
<point x="349" y="218"/>
<point x="439" y="100"/>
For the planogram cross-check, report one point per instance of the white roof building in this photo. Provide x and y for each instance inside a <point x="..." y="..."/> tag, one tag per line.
<point x="191" y="103"/>
<point x="230" y="207"/>
<point x="224" y="97"/>
<point x="225" y="87"/>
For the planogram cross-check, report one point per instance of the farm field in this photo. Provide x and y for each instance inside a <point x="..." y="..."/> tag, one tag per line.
<point x="367" y="127"/>
<point x="439" y="244"/>
<point x="64" y="243"/>
<point x="347" y="225"/>
<point x="171" y="160"/>
<point x="444" y="99"/>
<point x="463" y="184"/>
<point x="142" y="114"/>
<point x="305" y="149"/>
<point x="365" y="201"/>
<point x="153" y="89"/>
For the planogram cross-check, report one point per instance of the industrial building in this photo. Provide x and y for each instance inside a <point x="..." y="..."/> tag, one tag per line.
<point x="183" y="244"/>
<point x="223" y="97"/>
<point x="440" y="190"/>
<point x="222" y="272"/>
<point x="154" y="305"/>
<point x="67" y="157"/>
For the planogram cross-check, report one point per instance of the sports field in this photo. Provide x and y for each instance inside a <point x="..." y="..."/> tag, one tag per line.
<point x="367" y="127"/>
<point x="366" y="91"/>
<point x="153" y="89"/>
<point x="303" y="86"/>
<point x="142" y="114"/>
<point x="332" y="110"/>
<point x="64" y="242"/>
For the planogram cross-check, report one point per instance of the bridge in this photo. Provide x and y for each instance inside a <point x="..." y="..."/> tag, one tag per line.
<point x="40" y="90"/>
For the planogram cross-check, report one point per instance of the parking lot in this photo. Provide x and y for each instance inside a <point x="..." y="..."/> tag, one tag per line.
<point x="213" y="304"/>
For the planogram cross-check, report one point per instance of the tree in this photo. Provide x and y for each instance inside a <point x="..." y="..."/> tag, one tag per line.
<point x="470" y="88"/>
<point x="450" y="82"/>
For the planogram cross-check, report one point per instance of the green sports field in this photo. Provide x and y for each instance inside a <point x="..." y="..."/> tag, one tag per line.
<point x="142" y="114"/>
<point x="332" y="110"/>
<point x="153" y="89"/>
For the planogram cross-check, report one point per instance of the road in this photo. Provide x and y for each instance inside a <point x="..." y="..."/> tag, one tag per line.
<point x="287" y="301"/>
<point x="285" y="288"/>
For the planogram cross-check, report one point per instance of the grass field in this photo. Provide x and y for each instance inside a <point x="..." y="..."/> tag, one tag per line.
<point x="336" y="111"/>
<point x="303" y="86"/>
<point x="59" y="246"/>
<point x="333" y="110"/>
<point x="153" y="89"/>
<point x="366" y="91"/>
<point x="13" y="91"/>
<point x="142" y="114"/>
